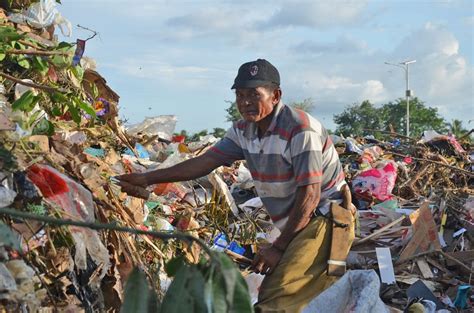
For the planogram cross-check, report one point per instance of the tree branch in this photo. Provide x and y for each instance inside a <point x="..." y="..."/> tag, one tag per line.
<point x="111" y="226"/>
<point x="37" y="86"/>
<point x="35" y="52"/>
<point x="437" y="163"/>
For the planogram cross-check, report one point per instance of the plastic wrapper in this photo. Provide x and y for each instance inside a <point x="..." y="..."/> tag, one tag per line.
<point x="353" y="146"/>
<point x="162" y="125"/>
<point x="377" y="182"/>
<point x="77" y="203"/>
<point x="244" y="178"/>
<point x="41" y="15"/>
<point x="203" y="141"/>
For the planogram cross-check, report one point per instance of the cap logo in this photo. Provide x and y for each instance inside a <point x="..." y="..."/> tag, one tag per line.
<point x="253" y="70"/>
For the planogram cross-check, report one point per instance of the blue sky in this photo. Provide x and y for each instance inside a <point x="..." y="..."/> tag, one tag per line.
<point x="180" y="57"/>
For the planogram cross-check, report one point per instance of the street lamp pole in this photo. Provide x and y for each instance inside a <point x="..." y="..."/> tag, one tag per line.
<point x="408" y="92"/>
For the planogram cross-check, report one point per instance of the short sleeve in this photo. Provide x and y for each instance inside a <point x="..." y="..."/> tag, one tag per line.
<point x="307" y="158"/>
<point x="228" y="149"/>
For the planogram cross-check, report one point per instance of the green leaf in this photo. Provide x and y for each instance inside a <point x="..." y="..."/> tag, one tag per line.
<point x="43" y="127"/>
<point x="8" y="238"/>
<point x="41" y="65"/>
<point x="172" y="267"/>
<point x="65" y="46"/>
<point x="236" y="291"/>
<point x="33" y="118"/>
<point x="78" y="71"/>
<point x="24" y="63"/>
<point x="58" y="97"/>
<point x="56" y="111"/>
<point x="136" y="293"/>
<point x="76" y="117"/>
<point x="95" y="91"/>
<point x="8" y="33"/>
<point x="85" y="107"/>
<point x="26" y="102"/>
<point x="60" y="61"/>
<point x="2" y="56"/>
<point x="186" y="292"/>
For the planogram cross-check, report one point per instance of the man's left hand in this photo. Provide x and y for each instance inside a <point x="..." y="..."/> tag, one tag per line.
<point x="266" y="260"/>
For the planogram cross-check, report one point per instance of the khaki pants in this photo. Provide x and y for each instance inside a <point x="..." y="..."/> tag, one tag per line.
<point x="301" y="274"/>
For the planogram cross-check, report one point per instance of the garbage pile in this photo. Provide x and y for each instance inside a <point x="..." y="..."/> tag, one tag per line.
<point x="62" y="144"/>
<point x="415" y="201"/>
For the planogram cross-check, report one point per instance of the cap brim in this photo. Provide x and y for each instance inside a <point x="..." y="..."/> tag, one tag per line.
<point x="251" y="84"/>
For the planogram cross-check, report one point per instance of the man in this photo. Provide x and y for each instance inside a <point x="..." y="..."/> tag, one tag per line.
<point x="297" y="174"/>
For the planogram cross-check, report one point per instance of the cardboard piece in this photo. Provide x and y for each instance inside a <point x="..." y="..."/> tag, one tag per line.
<point x="384" y="259"/>
<point x="42" y="142"/>
<point x="425" y="233"/>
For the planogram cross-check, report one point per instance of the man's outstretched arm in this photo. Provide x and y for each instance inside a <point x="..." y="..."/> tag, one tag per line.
<point x="187" y="170"/>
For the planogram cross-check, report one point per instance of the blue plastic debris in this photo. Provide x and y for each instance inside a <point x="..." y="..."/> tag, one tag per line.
<point x="142" y="152"/>
<point x="96" y="152"/>
<point x="461" y="297"/>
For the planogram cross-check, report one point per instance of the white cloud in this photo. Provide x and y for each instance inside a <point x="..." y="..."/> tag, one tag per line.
<point x="152" y="68"/>
<point x="441" y="76"/>
<point x="317" y="14"/>
<point x="342" y="45"/>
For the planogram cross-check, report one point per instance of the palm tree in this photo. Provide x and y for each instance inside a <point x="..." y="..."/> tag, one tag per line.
<point x="456" y="128"/>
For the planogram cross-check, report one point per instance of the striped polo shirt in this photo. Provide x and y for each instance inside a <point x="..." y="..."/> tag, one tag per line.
<point x="295" y="151"/>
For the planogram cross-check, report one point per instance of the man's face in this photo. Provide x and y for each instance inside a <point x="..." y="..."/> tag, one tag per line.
<point x="255" y="103"/>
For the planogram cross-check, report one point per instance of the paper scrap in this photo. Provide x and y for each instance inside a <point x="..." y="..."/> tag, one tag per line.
<point x="384" y="259"/>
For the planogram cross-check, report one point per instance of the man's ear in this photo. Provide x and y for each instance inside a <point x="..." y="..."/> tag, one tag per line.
<point x="276" y="95"/>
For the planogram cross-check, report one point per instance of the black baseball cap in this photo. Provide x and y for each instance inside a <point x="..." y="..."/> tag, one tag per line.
<point x="255" y="74"/>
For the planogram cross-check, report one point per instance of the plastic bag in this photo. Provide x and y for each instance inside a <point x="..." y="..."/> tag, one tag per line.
<point x="356" y="292"/>
<point x="7" y="196"/>
<point x="244" y="178"/>
<point x="377" y="182"/>
<point x="77" y="203"/>
<point x="353" y="146"/>
<point x="162" y="125"/>
<point x="41" y="15"/>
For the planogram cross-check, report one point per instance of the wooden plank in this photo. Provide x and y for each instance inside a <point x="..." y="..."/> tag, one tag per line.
<point x="379" y="232"/>
<point x="463" y="256"/>
<point x="424" y="268"/>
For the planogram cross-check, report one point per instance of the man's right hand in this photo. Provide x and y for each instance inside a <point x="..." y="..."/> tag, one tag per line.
<point x="134" y="185"/>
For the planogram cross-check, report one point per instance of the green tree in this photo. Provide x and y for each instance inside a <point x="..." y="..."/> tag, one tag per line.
<point x="456" y="128"/>
<point x="421" y="117"/>
<point x="219" y="132"/>
<point x="357" y="117"/>
<point x="233" y="114"/>
<point x="196" y="136"/>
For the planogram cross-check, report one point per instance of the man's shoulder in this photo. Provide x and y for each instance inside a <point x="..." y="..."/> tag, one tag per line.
<point x="295" y="121"/>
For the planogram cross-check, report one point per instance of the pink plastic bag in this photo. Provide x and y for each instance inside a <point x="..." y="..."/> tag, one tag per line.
<point x="377" y="182"/>
<point x="76" y="203"/>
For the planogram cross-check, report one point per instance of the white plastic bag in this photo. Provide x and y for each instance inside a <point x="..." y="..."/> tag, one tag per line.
<point x="6" y="196"/>
<point x="356" y="292"/>
<point x="162" y="125"/>
<point x="41" y="15"/>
